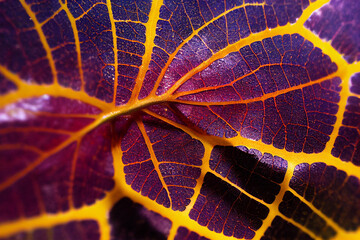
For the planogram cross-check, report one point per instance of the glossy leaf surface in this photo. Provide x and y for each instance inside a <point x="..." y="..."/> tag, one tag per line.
<point x="190" y="119"/>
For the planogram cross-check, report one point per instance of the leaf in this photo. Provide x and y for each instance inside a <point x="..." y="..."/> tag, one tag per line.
<point x="190" y="119"/>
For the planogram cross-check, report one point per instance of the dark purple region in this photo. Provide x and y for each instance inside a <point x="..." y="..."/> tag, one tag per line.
<point x="258" y="69"/>
<point x="130" y="40"/>
<point x="56" y="179"/>
<point x="38" y="118"/>
<point x="24" y="53"/>
<point x="139" y="169"/>
<point x="94" y="170"/>
<point x="74" y="230"/>
<point x="299" y="120"/>
<point x="347" y="143"/>
<point x="132" y="221"/>
<point x="292" y="207"/>
<point x="179" y="157"/>
<point x="184" y="17"/>
<point x="332" y="191"/>
<point x="179" y="19"/>
<point x="79" y="7"/>
<point x="172" y="144"/>
<point x="97" y="54"/>
<point x="355" y="83"/>
<point x="60" y="37"/>
<point x="300" y="63"/>
<point x="58" y="30"/>
<point x="6" y="85"/>
<point x="43" y="9"/>
<point x="134" y="10"/>
<point x="223" y="208"/>
<point x="258" y="174"/>
<point x="280" y="229"/>
<point x="184" y="234"/>
<point x="339" y="22"/>
<point x="21" y="50"/>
